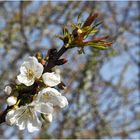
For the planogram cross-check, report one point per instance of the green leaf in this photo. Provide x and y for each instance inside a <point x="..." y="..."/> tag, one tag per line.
<point x="79" y="16"/>
<point x="91" y="32"/>
<point x="97" y="24"/>
<point x="98" y="46"/>
<point x="79" y="24"/>
<point x="94" y="31"/>
<point x="74" y="26"/>
<point x="85" y="29"/>
<point x="65" y="31"/>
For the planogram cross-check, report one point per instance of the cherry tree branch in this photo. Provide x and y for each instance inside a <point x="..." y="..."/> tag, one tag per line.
<point x="52" y="62"/>
<point x="53" y="58"/>
<point x="70" y="40"/>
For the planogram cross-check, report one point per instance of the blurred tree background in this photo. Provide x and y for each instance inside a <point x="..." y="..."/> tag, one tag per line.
<point x="102" y="86"/>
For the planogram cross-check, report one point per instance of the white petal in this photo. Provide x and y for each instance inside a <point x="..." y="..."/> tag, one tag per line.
<point x="33" y="123"/>
<point x="11" y="100"/>
<point x="43" y="95"/>
<point x="26" y="117"/>
<point x="53" y="96"/>
<point x="32" y="62"/>
<point x="21" y="124"/>
<point x="8" y="90"/>
<point x="38" y="70"/>
<point x="29" y="82"/>
<point x="29" y="62"/>
<point x="50" y="91"/>
<point x="23" y="68"/>
<point x="22" y="115"/>
<point x="32" y="59"/>
<point x="10" y="117"/>
<point x="60" y="101"/>
<point x="45" y="108"/>
<point x="19" y="112"/>
<point x="23" y="79"/>
<point x="51" y="79"/>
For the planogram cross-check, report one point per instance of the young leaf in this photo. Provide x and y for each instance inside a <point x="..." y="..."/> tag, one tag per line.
<point x="79" y="16"/>
<point x="98" y="46"/>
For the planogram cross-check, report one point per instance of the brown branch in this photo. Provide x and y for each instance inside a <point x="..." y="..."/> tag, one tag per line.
<point x="2" y="116"/>
<point x="53" y="58"/>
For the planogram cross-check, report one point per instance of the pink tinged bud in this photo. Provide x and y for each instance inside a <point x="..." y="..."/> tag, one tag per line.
<point x="43" y="62"/>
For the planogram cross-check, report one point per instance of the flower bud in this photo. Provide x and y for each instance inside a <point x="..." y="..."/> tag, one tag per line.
<point x="43" y="62"/>
<point x="79" y="31"/>
<point x="9" y="120"/>
<point x="8" y="90"/>
<point x="49" y="118"/>
<point x="11" y="100"/>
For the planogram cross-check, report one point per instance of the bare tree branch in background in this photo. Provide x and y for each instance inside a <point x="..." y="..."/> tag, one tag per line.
<point x="104" y="97"/>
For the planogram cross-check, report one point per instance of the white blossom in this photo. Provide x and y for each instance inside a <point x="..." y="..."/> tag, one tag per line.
<point x="51" y="79"/>
<point x="8" y="90"/>
<point x="11" y="100"/>
<point x="29" y="71"/>
<point x="44" y="102"/>
<point x="26" y="116"/>
<point x="53" y="96"/>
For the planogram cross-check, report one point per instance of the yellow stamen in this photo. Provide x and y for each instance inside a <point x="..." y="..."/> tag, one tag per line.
<point x="30" y="74"/>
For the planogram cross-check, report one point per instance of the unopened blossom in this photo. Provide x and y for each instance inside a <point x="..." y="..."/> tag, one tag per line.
<point x="11" y="100"/>
<point x="26" y="116"/>
<point x="51" y="79"/>
<point x="9" y="119"/>
<point x="30" y="70"/>
<point x="48" y="117"/>
<point x="53" y="96"/>
<point x="8" y="90"/>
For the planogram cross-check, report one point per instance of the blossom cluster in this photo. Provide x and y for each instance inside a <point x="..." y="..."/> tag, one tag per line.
<point x="34" y="96"/>
<point x="28" y="109"/>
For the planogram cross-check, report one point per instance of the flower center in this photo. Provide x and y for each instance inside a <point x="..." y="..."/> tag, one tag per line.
<point x="46" y="96"/>
<point x="30" y="74"/>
